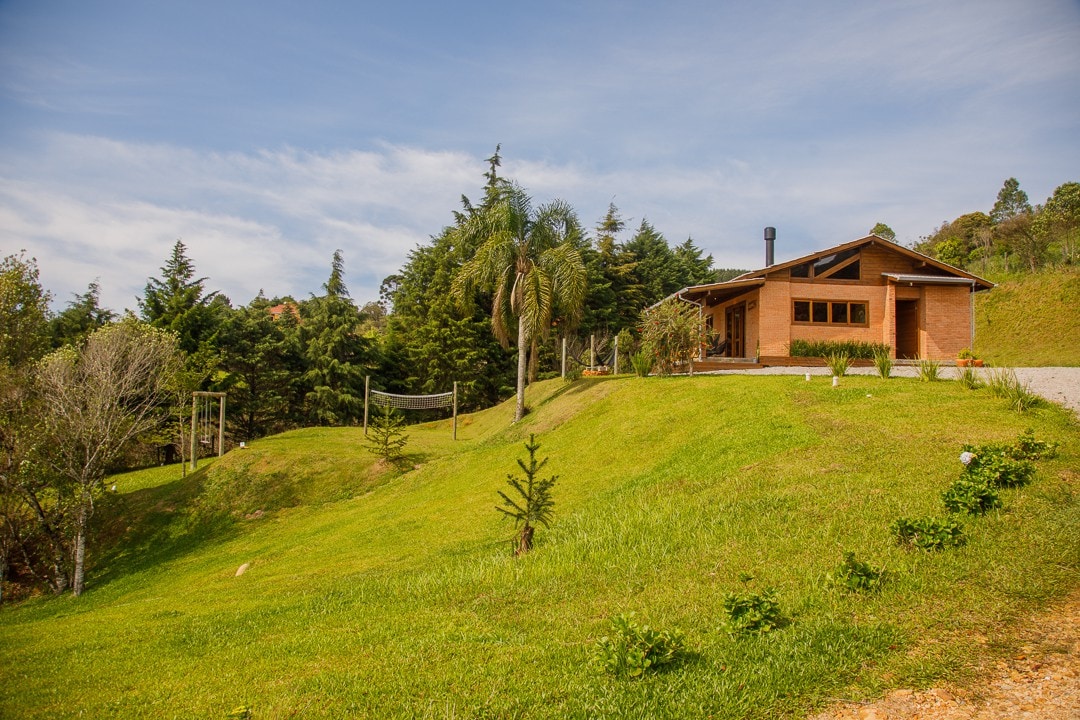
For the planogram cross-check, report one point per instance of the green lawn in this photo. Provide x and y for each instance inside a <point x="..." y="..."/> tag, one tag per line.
<point x="378" y="593"/>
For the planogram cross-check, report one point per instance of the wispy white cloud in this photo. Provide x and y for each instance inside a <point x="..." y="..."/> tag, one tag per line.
<point x="91" y="207"/>
<point x="711" y="120"/>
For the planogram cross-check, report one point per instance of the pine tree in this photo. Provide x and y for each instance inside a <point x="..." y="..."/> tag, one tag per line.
<point x="534" y="502"/>
<point x="81" y="317"/>
<point x="337" y="354"/>
<point x="176" y="301"/>
<point x="386" y="438"/>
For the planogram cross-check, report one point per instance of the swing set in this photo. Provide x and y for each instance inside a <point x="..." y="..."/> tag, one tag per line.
<point x="202" y="424"/>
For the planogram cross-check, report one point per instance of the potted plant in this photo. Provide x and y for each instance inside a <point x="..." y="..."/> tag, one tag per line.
<point x="965" y="358"/>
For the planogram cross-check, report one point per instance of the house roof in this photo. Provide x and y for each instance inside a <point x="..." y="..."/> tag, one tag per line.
<point x="722" y="290"/>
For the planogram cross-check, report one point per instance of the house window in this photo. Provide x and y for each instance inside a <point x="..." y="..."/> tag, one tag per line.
<point x="837" y="266"/>
<point x="821" y="312"/>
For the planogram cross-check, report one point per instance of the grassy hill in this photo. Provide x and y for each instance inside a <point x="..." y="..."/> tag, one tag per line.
<point x="374" y="593"/>
<point x="1030" y="320"/>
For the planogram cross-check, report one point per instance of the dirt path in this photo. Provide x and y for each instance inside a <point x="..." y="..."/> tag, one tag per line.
<point x="1041" y="682"/>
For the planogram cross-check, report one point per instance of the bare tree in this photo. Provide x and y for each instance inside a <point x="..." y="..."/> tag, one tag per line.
<point x="96" y="400"/>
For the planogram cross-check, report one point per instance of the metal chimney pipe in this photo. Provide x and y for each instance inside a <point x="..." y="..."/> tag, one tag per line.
<point x="770" y="238"/>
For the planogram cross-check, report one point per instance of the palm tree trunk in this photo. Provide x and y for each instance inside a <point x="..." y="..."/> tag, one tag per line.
<point x="523" y="347"/>
<point x="534" y="361"/>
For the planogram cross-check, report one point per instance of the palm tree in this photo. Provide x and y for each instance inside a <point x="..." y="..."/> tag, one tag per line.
<point x="529" y="260"/>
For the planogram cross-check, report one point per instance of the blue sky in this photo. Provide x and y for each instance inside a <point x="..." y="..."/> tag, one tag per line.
<point x="267" y="134"/>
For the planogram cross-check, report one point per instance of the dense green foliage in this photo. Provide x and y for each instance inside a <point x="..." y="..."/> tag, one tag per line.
<point x="749" y="612"/>
<point x="929" y="533"/>
<point x="1013" y="235"/>
<point x="854" y="349"/>
<point x="672" y="334"/>
<point x="632" y="649"/>
<point x="858" y="576"/>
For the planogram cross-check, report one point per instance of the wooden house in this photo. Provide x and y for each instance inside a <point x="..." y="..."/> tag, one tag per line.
<point x="869" y="290"/>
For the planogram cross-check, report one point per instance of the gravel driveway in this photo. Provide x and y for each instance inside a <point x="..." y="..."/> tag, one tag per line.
<point x="1058" y="384"/>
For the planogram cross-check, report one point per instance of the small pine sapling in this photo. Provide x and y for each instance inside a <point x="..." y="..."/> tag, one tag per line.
<point x="386" y="435"/>
<point x="533" y="503"/>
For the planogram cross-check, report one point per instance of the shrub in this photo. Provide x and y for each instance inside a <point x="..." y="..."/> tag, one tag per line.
<point x="928" y="533"/>
<point x="823" y="348"/>
<point x="632" y="650"/>
<point x="642" y="362"/>
<point x="838" y="363"/>
<point x="1027" y="447"/>
<point x="928" y="370"/>
<point x="672" y="332"/>
<point x="883" y="363"/>
<point x="971" y="495"/>
<point x="997" y="469"/>
<point x="751" y="612"/>
<point x="857" y="576"/>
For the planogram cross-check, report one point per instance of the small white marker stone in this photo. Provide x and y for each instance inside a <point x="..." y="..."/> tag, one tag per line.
<point x="835" y="381"/>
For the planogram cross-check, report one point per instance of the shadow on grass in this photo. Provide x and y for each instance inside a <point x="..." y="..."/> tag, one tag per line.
<point x="146" y="528"/>
<point x="577" y="386"/>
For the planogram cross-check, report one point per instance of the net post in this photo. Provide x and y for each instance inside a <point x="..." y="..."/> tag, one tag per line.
<point x="194" y="430"/>
<point x="592" y="352"/>
<point x="564" y="357"/>
<point x="455" y="409"/>
<point x="221" y="426"/>
<point x="616" y="371"/>
<point x="367" y="381"/>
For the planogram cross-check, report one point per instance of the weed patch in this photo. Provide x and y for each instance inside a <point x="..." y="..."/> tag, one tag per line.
<point x="631" y="650"/>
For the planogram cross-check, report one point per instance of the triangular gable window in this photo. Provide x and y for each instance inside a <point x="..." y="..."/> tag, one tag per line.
<point x="838" y="266"/>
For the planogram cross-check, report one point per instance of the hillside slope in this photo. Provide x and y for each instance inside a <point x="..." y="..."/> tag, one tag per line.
<point x="378" y="594"/>
<point x="1033" y="320"/>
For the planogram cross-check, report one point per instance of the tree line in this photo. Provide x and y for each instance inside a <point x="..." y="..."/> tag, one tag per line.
<point x="1013" y="236"/>
<point x="87" y="392"/>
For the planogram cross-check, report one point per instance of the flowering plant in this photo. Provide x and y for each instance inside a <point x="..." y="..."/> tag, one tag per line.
<point x="672" y="333"/>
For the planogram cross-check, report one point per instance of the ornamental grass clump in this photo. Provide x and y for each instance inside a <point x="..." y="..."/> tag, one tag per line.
<point x="838" y="364"/>
<point x="824" y="348"/>
<point x="631" y="650"/>
<point x="883" y="364"/>
<point x="928" y="370"/>
<point x="1004" y="384"/>
<point x="642" y="362"/>
<point x="968" y="377"/>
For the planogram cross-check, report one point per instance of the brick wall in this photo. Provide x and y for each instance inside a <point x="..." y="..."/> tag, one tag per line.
<point x="945" y="329"/>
